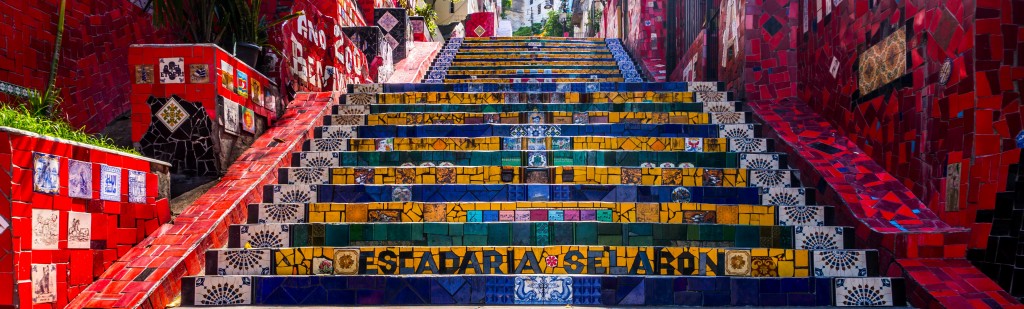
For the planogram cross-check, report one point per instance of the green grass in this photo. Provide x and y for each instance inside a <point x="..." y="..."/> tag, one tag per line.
<point x="21" y="118"/>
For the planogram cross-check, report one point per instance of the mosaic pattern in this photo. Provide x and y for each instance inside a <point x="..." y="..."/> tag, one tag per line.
<point x="884" y="62"/>
<point x="395" y="24"/>
<point x="221" y="291"/>
<point x="45" y="173"/>
<point x="110" y="183"/>
<point x="163" y="139"/>
<point x="864" y="292"/>
<point x="840" y="263"/>
<point x="172" y="114"/>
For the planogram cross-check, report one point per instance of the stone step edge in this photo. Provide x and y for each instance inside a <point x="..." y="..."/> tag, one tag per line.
<point x="826" y="213"/>
<point x="587" y="290"/>
<point x="297" y="157"/>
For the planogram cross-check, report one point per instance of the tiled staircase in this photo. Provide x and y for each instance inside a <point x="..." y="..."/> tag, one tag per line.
<point x="502" y="182"/>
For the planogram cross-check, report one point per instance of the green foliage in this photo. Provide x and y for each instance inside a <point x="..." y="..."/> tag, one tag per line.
<point x="195" y="21"/>
<point x="505" y="6"/>
<point x="248" y="25"/>
<point x="526" y="31"/>
<point x="45" y="103"/>
<point x="553" y="26"/>
<point x="20" y="117"/>
<point x="429" y="15"/>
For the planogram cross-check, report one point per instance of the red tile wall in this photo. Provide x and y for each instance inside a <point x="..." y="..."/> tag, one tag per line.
<point x="206" y="93"/>
<point x="481" y="19"/>
<point x="693" y="62"/>
<point x="93" y="70"/>
<point x="116" y="226"/>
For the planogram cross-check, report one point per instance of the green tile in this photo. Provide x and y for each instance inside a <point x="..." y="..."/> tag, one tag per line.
<point x="455" y="229"/>
<point x="439" y="240"/>
<point x="748" y="236"/>
<point x="299" y="235"/>
<point x="608" y="228"/>
<point x="562" y="234"/>
<point x="586" y="232"/>
<point x="359" y="232"/>
<point x="640" y="229"/>
<point x="693" y="232"/>
<point x="604" y="215"/>
<point x="522" y="234"/>
<point x="498" y="234"/>
<point x="541" y="233"/>
<point x="434" y="228"/>
<point x="380" y="231"/>
<point x="474" y="240"/>
<point x="609" y="240"/>
<point x="641" y="241"/>
<point x="474" y="229"/>
<point x="337" y="235"/>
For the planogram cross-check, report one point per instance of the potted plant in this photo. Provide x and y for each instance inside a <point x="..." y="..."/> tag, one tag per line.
<point x="249" y="28"/>
<point x="195" y="21"/>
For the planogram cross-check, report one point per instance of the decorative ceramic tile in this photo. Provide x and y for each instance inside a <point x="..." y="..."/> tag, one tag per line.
<point x="401" y="194"/>
<point x="79" y="230"/>
<point x="306" y="175"/>
<point x="713" y="177"/>
<point x="136" y="187"/>
<point x="945" y="71"/>
<point x="702" y="86"/>
<point x="801" y="215"/>
<point x="143" y="74"/>
<point x="264" y="235"/>
<point x="694" y="144"/>
<point x="719" y="107"/>
<point x="252" y="262"/>
<point x="784" y="196"/>
<point x="860" y="292"/>
<point x="45" y="173"/>
<point x="230" y="117"/>
<point x="45" y="229"/>
<point x="44" y="283"/>
<point x="227" y="75"/>
<point x="580" y="118"/>
<point x="728" y="118"/>
<point x="681" y="195"/>
<point x="883" y="63"/>
<point x="770" y="178"/>
<point x="242" y="83"/>
<point x="280" y="213"/>
<point x="759" y="161"/>
<point x="248" y="120"/>
<point x="323" y="266"/>
<point x="511" y="143"/>
<point x="536" y="143"/>
<point x="219" y="291"/>
<point x="561" y="143"/>
<point x="953" y="187"/>
<point x="294" y="194"/>
<point x="543" y="290"/>
<point x="172" y="115"/>
<point x="736" y="131"/>
<point x="631" y="176"/>
<point x="338" y="132"/>
<point x="346" y="261"/>
<point x="537" y="159"/>
<point x="387" y="21"/>
<point x="385" y="144"/>
<point x="840" y="263"/>
<point x="329" y="144"/>
<point x="819" y="237"/>
<point x="713" y="96"/>
<point x="199" y="73"/>
<point x="4" y="224"/>
<point x="172" y="70"/>
<point x="737" y="262"/>
<point x="834" y="68"/>
<point x="763" y="266"/>
<point x="748" y="145"/>
<point x="110" y="183"/>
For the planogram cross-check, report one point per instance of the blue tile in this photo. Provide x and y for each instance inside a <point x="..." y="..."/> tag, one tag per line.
<point x="689" y="299"/>
<point x="773" y="299"/>
<point x="744" y="292"/>
<point x="657" y="291"/>
<point x="716" y="299"/>
<point x="798" y="285"/>
<point x="499" y="290"/>
<point x="702" y="284"/>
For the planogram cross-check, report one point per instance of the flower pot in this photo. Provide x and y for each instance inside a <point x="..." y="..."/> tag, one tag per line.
<point x="248" y="53"/>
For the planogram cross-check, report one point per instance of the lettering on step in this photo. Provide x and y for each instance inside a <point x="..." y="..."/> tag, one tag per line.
<point x="678" y="261"/>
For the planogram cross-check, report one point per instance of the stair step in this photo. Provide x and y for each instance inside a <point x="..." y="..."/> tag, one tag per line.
<point x="521" y="158"/>
<point x="761" y="215"/>
<point x="461" y="118"/>
<point x="485" y="175"/>
<point x="275" y="235"/>
<point x="493" y="143"/>
<point x="581" y="290"/>
<point x="540" y="97"/>
<point x="582" y="108"/>
<point x="537" y="87"/>
<point x="286" y="193"/>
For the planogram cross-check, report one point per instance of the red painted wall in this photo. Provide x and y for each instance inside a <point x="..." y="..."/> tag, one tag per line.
<point x="116" y="226"/>
<point x="93" y="69"/>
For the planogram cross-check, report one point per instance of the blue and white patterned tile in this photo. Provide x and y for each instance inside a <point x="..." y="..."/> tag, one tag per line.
<point x="784" y="196"/>
<point x="499" y="290"/>
<point x="220" y="291"/>
<point x="819" y="237"/>
<point x="253" y="262"/>
<point x="719" y="107"/>
<point x="318" y="159"/>
<point x="264" y="235"/>
<point x="712" y="96"/>
<point x="294" y="194"/>
<point x="736" y="131"/>
<point x="543" y="290"/>
<point x="801" y="215"/>
<point x="728" y="117"/>
<point x="748" y="145"/>
<point x="136" y="187"/>
<point x="45" y="173"/>
<point x="701" y="86"/>
<point x="762" y="161"/>
<point x="340" y="131"/>
<point x="308" y="175"/>
<point x="329" y="144"/>
<point x="110" y="183"/>
<point x="80" y="179"/>
<point x="840" y="263"/>
<point x="352" y="110"/>
<point x="770" y="178"/>
<point x="863" y="292"/>
<point x="367" y="88"/>
<point x="341" y="119"/>
<point x="360" y="99"/>
<point x="280" y="213"/>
